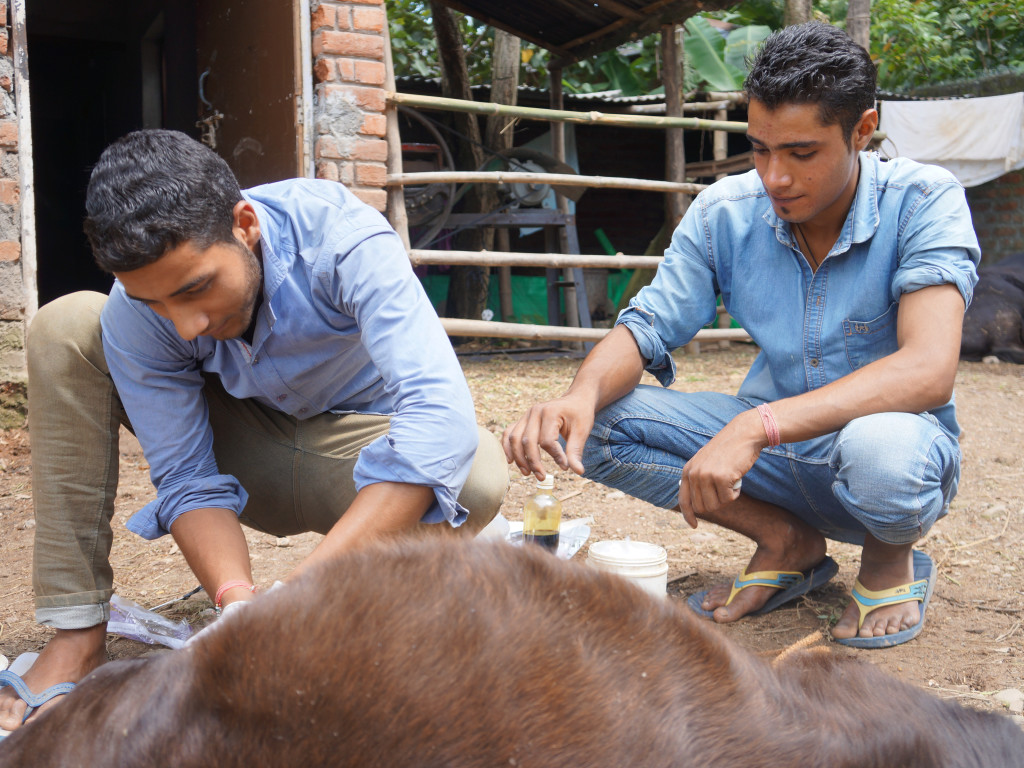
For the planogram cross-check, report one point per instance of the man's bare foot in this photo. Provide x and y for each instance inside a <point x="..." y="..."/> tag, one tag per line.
<point x="882" y="566"/>
<point x="786" y="545"/>
<point x="69" y="656"/>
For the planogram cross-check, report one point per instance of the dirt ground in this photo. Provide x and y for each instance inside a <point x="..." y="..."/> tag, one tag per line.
<point x="973" y="643"/>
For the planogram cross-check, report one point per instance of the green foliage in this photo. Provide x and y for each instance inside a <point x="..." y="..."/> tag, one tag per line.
<point x="915" y="42"/>
<point x="918" y="42"/>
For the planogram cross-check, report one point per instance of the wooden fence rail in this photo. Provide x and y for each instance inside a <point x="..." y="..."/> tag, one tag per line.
<point x="485" y="328"/>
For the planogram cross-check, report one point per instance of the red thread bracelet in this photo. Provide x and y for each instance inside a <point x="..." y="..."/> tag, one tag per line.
<point x="771" y="427"/>
<point x="230" y="585"/>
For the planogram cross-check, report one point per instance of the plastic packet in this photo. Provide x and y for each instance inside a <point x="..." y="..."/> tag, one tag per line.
<point x="572" y="535"/>
<point x="131" y="620"/>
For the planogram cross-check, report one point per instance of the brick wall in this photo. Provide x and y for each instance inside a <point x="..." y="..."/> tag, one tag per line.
<point x="348" y="86"/>
<point x="12" y="285"/>
<point x="998" y="212"/>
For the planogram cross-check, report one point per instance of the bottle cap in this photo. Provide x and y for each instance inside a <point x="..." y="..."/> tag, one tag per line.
<point x="547" y="483"/>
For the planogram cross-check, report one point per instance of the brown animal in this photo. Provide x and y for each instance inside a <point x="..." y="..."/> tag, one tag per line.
<point x="469" y="654"/>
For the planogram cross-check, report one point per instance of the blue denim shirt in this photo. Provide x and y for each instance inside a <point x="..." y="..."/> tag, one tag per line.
<point x="909" y="227"/>
<point x="345" y="326"/>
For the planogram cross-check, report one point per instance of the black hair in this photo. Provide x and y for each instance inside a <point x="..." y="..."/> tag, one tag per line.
<point x="814" y="63"/>
<point x="153" y="190"/>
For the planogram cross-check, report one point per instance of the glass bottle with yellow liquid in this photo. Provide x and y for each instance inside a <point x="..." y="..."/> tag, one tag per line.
<point x="542" y="515"/>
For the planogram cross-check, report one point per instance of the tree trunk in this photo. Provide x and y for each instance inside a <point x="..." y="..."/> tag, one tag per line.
<point x="797" y="12"/>
<point x="499" y="137"/>
<point x="858" y="22"/>
<point x="467" y="289"/>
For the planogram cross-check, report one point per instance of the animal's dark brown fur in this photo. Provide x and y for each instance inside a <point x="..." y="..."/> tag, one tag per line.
<point x="467" y="654"/>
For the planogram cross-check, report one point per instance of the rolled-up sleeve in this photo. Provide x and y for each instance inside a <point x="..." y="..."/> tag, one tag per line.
<point x="432" y="437"/>
<point x="667" y="314"/>
<point x="160" y="388"/>
<point x="939" y="245"/>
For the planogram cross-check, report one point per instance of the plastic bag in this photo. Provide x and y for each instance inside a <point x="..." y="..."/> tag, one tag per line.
<point x="572" y="534"/>
<point x="131" y="620"/>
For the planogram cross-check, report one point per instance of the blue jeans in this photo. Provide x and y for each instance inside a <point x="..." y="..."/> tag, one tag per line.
<point x="889" y="474"/>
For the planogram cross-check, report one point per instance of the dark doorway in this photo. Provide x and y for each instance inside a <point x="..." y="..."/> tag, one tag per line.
<point x="101" y="69"/>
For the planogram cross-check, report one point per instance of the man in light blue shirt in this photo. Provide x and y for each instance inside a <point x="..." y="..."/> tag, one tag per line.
<point x="280" y="365"/>
<point x="852" y="275"/>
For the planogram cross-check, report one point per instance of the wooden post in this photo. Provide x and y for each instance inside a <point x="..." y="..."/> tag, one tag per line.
<point x="499" y="136"/>
<point x="572" y="314"/>
<point x="721" y="151"/>
<point x="675" y="155"/>
<point x="396" y="195"/>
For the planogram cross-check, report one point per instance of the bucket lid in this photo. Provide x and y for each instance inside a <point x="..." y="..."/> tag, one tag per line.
<point x="626" y="551"/>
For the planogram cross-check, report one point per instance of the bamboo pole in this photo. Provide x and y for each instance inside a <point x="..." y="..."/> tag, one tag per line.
<point x="482" y="328"/>
<point x="554" y="179"/>
<point x="518" y="259"/>
<point x="566" y="116"/>
<point x="563" y="116"/>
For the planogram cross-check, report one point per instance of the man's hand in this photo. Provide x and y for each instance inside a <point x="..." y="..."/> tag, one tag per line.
<point x="612" y="369"/>
<point x="712" y="478"/>
<point x="568" y="416"/>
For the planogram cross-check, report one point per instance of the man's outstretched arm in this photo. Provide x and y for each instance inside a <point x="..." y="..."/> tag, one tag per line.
<point x="611" y="370"/>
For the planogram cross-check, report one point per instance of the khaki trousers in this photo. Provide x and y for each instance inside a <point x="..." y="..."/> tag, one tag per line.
<point x="298" y="473"/>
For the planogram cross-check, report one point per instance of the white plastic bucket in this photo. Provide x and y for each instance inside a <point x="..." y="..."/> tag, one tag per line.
<point x="643" y="563"/>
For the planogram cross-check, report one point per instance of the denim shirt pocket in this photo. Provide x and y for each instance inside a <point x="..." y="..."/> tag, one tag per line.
<point x="869" y="340"/>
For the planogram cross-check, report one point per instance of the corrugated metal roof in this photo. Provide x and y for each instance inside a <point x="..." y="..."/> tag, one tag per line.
<point x="577" y="29"/>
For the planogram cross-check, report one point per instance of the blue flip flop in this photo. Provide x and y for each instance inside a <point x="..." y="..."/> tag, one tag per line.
<point x="12" y="677"/>
<point x="919" y="590"/>
<point x="791" y="585"/>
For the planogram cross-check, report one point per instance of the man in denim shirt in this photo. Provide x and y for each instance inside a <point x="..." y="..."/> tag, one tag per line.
<point x="280" y="364"/>
<point x="852" y="276"/>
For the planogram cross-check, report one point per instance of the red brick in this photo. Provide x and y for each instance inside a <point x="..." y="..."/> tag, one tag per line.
<point x="370" y="72"/>
<point x="327" y="170"/>
<point x="348" y="44"/>
<point x="374" y="125"/>
<point x="368" y="19"/>
<point x="368" y="99"/>
<point x="367" y="2"/>
<point x="371" y="175"/>
<point x="323" y="16"/>
<point x="9" y="192"/>
<point x="347" y="70"/>
<point x="346" y="174"/>
<point x="327" y="147"/>
<point x="323" y="69"/>
<point x="5" y="83"/>
<point x="3" y="42"/>
<point x="8" y="133"/>
<point x="1008" y="205"/>
<point x="10" y="250"/>
<point x="344" y="20"/>
<point x="375" y="198"/>
<point x="370" y="149"/>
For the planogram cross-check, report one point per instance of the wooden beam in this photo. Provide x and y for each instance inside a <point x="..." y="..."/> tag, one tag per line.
<point x="517" y="259"/>
<point x="554" y="179"/>
<point x="486" y="329"/>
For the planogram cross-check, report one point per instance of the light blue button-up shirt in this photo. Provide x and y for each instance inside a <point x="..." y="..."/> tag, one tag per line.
<point x="345" y="326"/>
<point x="909" y="227"/>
